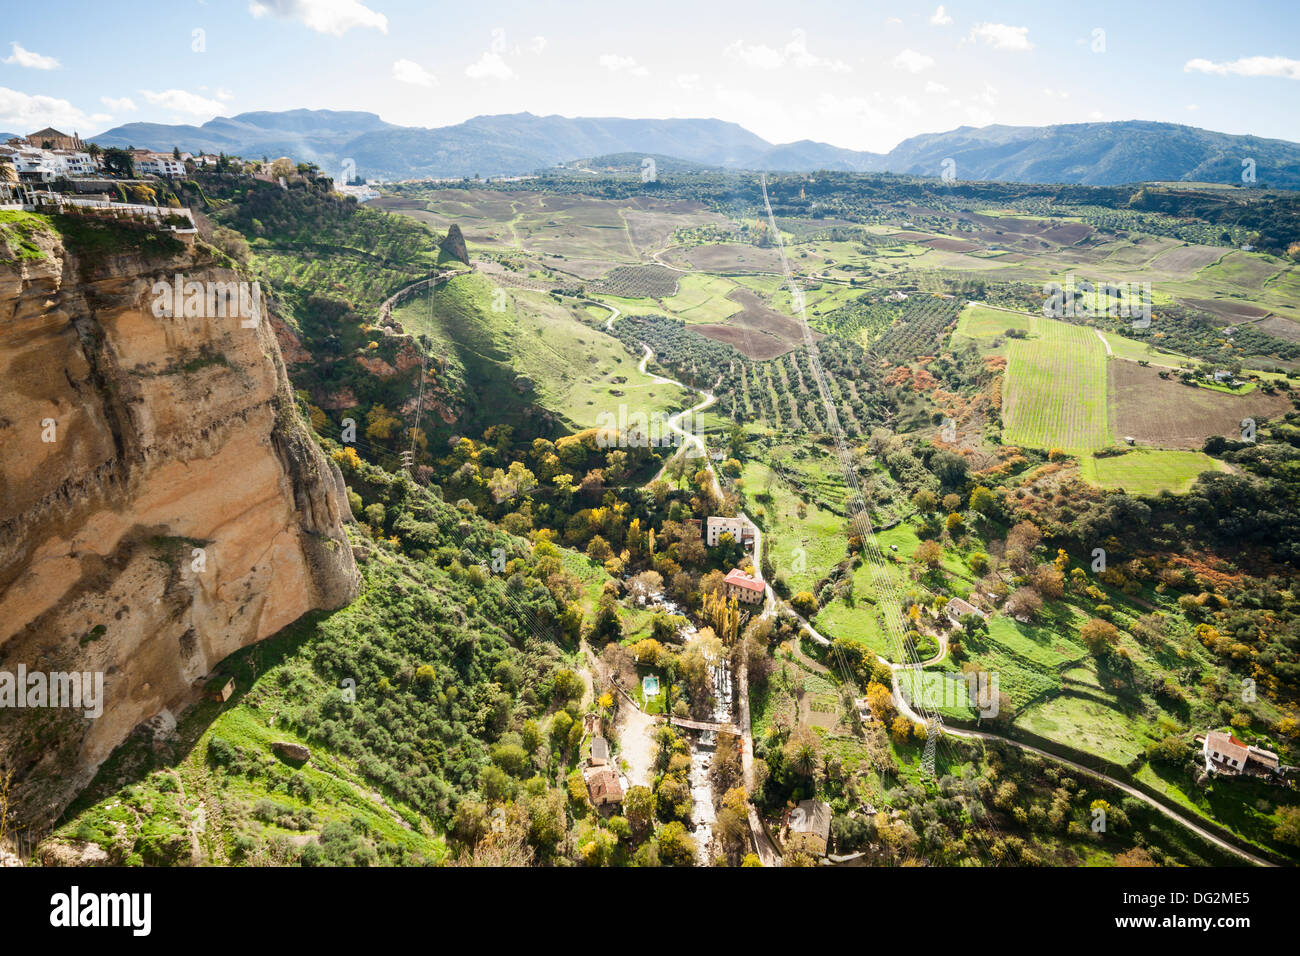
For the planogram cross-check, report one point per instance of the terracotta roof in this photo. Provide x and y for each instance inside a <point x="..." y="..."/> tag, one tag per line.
<point x="604" y="783"/>
<point x="741" y="579"/>
<point x="1226" y="745"/>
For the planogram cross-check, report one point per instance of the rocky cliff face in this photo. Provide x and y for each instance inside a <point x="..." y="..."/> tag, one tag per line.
<point x="161" y="505"/>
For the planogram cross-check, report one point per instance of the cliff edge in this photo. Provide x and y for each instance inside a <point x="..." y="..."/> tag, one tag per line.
<point x="161" y="503"/>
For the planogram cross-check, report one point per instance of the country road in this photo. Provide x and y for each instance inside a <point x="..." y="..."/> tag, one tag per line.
<point x="773" y="604"/>
<point x="766" y="850"/>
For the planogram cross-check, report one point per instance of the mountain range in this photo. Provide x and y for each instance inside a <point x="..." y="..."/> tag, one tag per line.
<point x="521" y="143"/>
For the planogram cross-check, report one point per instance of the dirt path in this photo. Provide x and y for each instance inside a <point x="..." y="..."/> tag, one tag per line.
<point x="634" y="728"/>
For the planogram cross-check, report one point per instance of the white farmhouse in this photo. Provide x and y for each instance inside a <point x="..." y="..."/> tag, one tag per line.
<point x="741" y="530"/>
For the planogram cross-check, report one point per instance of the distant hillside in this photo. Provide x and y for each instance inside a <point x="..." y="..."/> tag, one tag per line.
<point x="316" y="136"/>
<point x="520" y="143"/>
<point x="1098" y="154"/>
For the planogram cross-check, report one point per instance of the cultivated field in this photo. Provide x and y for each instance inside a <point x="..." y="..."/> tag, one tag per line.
<point x="1168" y="414"/>
<point x="1148" y="471"/>
<point x="1055" y="394"/>
<point x="638" y="282"/>
<point x="983" y="323"/>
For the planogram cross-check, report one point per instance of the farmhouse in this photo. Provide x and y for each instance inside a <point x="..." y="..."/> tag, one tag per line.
<point x="603" y="786"/>
<point x="956" y="607"/>
<point x="743" y="587"/>
<point x="741" y="530"/>
<point x="599" y="752"/>
<point x="811" y="819"/>
<point x="1225" y="754"/>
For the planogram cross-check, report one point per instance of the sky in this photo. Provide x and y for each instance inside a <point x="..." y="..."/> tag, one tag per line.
<point x="855" y="74"/>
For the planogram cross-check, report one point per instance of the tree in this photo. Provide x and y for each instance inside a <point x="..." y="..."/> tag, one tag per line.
<point x="380" y="423"/>
<point x="1288" y="828"/>
<point x="1098" y="635"/>
<point x="1024" y="603"/>
<point x="119" y="161"/>
<point x="639" y="808"/>
<point x="675" y="846"/>
<point x="801" y="752"/>
<point x="804" y="603"/>
<point x="598" y="549"/>
<point x="925" y="501"/>
<point x="881" y="701"/>
<point x="901" y="729"/>
<point x="645" y="585"/>
<point x="1048" y="581"/>
<point x="984" y="501"/>
<point x="929" y="553"/>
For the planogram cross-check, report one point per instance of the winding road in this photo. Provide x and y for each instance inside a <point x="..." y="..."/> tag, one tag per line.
<point x="767" y="851"/>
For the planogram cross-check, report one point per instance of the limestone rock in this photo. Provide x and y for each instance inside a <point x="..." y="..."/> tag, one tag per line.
<point x="454" y="244"/>
<point x="291" y="751"/>
<point x="181" y="512"/>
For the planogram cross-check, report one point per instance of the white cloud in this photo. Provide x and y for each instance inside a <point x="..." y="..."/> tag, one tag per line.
<point x="224" y="95"/>
<point x="1001" y="37"/>
<point x="893" y="21"/>
<point x="1278" y="66"/>
<point x="119" y="104"/>
<point x="182" y="101"/>
<point x="940" y="19"/>
<point x="490" y="66"/>
<point x="408" y="71"/>
<point x="933" y="87"/>
<point x="687" y="81"/>
<point x="1192" y="107"/>
<point x="795" y="53"/>
<point x="323" y="16"/>
<point x="1096" y="116"/>
<point x="33" y="61"/>
<point x="756" y="55"/>
<point x="616" y="63"/>
<point x="21" y="112"/>
<point x="537" y="44"/>
<point x="912" y="61"/>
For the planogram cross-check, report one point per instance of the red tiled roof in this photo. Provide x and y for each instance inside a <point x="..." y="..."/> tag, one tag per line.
<point x="741" y="579"/>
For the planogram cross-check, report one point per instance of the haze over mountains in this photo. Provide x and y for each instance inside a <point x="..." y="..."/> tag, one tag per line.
<point x="521" y="143"/>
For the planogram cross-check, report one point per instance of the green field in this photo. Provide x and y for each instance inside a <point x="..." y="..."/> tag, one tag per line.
<point x="1136" y="351"/>
<point x="1056" y="388"/>
<point x="1088" y="725"/>
<point x="578" y="371"/>
<point x="982" y="323"/>
<point x="800" y="548"/>
<point x="1148" y="471"/>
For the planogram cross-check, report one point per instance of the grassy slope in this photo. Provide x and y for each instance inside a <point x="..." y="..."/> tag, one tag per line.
<point x="574" y="366"/>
